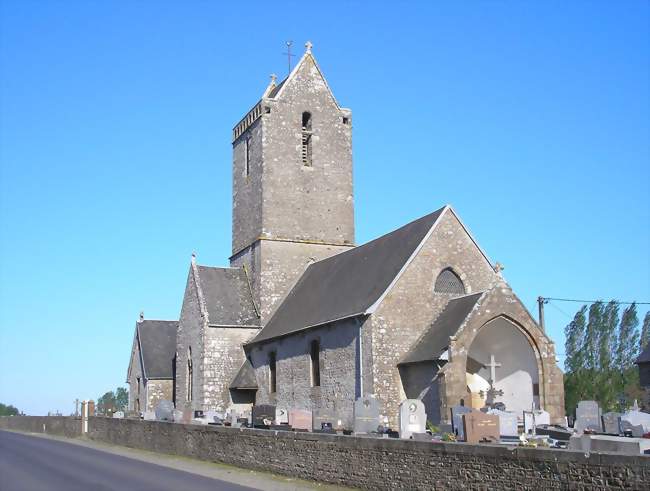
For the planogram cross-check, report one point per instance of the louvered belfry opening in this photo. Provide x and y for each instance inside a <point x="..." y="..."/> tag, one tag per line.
<point x="306" y="139"/>
<point x="449" y="282"/>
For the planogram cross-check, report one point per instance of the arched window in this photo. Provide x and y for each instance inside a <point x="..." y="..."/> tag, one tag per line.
<point x="306" y="139"/>
<point x="449" y="282"/>
<point x="314" y="355"/>
<point x="272" y="373"/>
<point x="190" y="376"/>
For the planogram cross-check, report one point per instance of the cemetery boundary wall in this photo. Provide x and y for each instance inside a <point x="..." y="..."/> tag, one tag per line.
<point x="50" y="425"/>
<point x="367" y="463"/>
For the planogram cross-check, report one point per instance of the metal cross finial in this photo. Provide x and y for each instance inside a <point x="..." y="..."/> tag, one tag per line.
<point x="141" y="315"/>
<point x="498" y="267"/>
<point x="308" y="45"/>
<point x="288" y="53"/>
<point x="274" y="77"/>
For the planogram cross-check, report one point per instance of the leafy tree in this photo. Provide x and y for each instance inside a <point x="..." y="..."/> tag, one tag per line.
<point x="628" y="338"/>
<point x="8" y="410"/>
<point x="606" y="384"/>
<point x="645" y="331"/>
<point x="575" y="359"/>
<point x="106" y="404"/>
<point x="121" y="398"/>
<point x="592" y="336"/>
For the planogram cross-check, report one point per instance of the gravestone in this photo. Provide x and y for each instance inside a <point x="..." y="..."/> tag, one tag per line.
<point x="609" y="443"/>
<point x="366" y="414"/>
<point x="300" y="419"/>
<point x="149" y="416"/>
<point x="281" y="416"/>
<point x="628" y="429"/>
<point x="480" y="427"/>
<point x="118" y="414"/>
<point x="507" y="423"/>
<point x="533" y="419"/>
<point x="412" y="418"/>
<point x="324" y="416"/>
<point x="164" y="411"/>
<point x="177" y="416"/>
<point x="612" y="423"/>
<point x="457" y="420"/>
<point x="588" y="417"/>
<point x="214" y="417"/>
<point x="263" y="415"/>
<point x="636" y="417"/>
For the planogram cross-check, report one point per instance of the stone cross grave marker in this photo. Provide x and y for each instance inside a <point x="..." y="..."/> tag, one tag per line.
<point x="612" y="423"/>
<point x="457" y="420"/>
<point x="479" y="427"/>
<point x="300" y="419"/>
<point x="281" y="416"/>
<point x="588" y="417"/>
<point x="263" y="415"/>
<point x="412" y="418"/>
<point x="366" y="414"/>
<point x="164" y="411"/>
<point x="507" y="423"/>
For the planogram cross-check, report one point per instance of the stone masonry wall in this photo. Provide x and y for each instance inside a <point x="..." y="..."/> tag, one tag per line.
<point x="158" y="390"/>
<point x="190" y="335"/>
<point x="224" y="356"/>
<point x="338" y="371"/>
<point x="411" y="306"/>
<point x="136" y="380"/>
<point x="67" y="426"/>
<point x="382" y="464"/>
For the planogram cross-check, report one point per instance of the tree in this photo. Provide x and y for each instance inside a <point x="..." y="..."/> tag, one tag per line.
<point x="645" y="331"/>
<point x="121" y="398"/>
<point x="106" y="404"/>
<point x="575" y="359"/>
<point x="606" y="384"/>
<point x="628" y="337"/>
<point x="8" y="410"/>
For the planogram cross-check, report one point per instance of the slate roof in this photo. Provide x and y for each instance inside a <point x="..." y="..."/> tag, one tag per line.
<point x="347" y="284"/>
<point x="227" y="297"/>
<point x="644" y="357"/>
<point x="245" y="378"/>
<point x="436" y="339"/>
<point x="157" y="341"/>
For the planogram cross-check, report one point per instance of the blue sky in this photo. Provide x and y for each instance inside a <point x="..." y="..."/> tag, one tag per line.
<point x="531" y="118"/>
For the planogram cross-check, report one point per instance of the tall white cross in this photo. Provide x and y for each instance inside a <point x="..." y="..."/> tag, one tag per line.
<point x="493" y="366"/>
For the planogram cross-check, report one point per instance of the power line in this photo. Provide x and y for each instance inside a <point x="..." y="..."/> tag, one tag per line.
<point x="592" y="301"/>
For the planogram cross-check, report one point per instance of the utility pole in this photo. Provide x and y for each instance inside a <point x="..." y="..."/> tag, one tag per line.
<point x="76" y="408"/>
<point x="540" y="302"/>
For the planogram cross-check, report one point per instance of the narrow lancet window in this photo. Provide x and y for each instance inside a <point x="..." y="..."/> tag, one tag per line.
<point x="272" y="373"/>
<point x="306" y="139"/>
<point x="247" y="145"/>
<point x="190" y="376"/>
<point x="315" y="363"/>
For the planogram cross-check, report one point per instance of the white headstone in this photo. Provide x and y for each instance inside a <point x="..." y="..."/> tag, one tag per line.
<point x="118" y="414"/>
<point x="412" y="418"/>
<point x="149" y="416"/>
<point x="281" y="416"/>
<point x="637" y="418"/>
<point x="507" y="422"/>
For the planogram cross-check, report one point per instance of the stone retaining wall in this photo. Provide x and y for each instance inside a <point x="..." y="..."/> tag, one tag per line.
<point x="367" y="463"/>
<point x="51" y="425"/>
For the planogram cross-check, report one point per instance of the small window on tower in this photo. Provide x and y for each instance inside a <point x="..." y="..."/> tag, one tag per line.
<point x="272" y="373"/>
<point x="306" y="139"/>
<point x="346" y="121"/>
<point x="247" y="145"/>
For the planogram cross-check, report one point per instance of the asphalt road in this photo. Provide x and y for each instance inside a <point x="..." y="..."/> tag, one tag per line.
<point x="29" y="463"/>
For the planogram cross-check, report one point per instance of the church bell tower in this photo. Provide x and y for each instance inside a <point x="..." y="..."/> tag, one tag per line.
<point x="292" y="182"/>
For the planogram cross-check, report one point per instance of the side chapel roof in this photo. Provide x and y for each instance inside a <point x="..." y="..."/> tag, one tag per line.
<point x="227" y="296"/>
<point x="436" y="339"/>
<point x="157" y="341"/>
<point x="348" y="284"/>
<point x="245" y="378"/>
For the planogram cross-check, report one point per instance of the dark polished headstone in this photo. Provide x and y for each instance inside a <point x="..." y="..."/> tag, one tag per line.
<point x="263" y="415"/>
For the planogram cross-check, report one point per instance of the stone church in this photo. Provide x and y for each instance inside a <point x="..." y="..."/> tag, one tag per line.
<point x="305" y="319"/>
